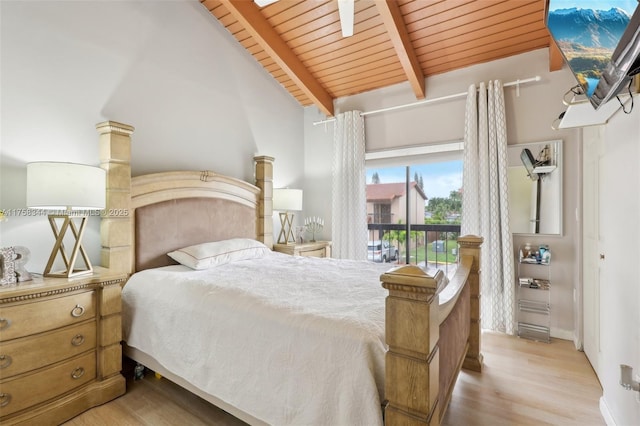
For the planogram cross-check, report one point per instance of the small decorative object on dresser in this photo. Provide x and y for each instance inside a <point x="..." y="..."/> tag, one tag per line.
<point x="314" y="249"/>
<point x="21" y="258"/>
<point x="7" y="266"/>
<point x="314" y="225"/>
<point x="60" y="350"/>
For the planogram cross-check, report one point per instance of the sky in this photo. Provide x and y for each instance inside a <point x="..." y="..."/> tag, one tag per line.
<point x="627" y="5"/>
<point x="439" y="178"/>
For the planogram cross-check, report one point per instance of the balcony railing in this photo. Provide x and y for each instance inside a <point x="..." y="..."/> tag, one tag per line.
<point x="433" y="246"/>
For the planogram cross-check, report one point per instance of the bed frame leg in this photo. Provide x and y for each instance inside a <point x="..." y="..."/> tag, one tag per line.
<point x="470" y="246"/>
<point x="412" y="364"/>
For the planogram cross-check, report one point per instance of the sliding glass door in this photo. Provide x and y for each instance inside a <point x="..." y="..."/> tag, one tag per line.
<point x="414" y="212"/>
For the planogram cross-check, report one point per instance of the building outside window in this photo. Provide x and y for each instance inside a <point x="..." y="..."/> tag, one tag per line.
<point x="414" y="208"/>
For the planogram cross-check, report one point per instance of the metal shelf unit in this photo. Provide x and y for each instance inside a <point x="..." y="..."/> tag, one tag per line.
<point x="534" y="295"/>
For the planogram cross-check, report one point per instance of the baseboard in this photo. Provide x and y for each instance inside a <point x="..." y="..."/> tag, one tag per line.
<point x="606" y="414"/>
<point x="560" y="333"/>
<point x="578" y="344"/>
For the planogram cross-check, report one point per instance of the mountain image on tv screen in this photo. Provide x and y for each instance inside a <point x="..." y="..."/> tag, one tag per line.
<point x="586" y="36"/>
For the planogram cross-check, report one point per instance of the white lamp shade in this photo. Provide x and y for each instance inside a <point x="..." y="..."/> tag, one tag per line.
<point x="285" y="199"/>
<point x="55" y="186"/>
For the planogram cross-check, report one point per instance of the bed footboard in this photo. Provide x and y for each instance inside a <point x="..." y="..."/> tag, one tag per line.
<point x="414" y="315"/>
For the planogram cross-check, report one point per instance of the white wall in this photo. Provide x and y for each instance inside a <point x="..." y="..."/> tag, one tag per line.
<point x="197" y="99"/>
<point x="529" y="119"/>
<point x="318" y="143"/>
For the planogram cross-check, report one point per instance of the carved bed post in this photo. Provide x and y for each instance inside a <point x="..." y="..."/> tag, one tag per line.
<point x="470" y="246"/>
<point x="412" y="332"/>
<point x="264" y="181"/>
<point x="115" y="227"/>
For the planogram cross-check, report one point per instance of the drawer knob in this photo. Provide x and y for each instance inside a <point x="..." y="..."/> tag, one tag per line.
<point x="77" y="340"/>
<point x="5" y="399"/>
<point x="5" y="361"/>
<point x="77" y="373"/>
<point x="4" y="323"/>
<point x="78" y="311"/>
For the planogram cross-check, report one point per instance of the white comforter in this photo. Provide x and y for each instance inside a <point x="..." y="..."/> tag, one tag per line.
<point x="289" y="340"/>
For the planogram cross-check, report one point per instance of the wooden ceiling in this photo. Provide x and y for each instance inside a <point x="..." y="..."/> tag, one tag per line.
<point x="300" y="41"/>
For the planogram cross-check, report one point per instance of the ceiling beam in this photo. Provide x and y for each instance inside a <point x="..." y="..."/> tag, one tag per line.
<point x="397" y="30"/>
<point x="249" y="16"/>
<point x="556" y="60"/>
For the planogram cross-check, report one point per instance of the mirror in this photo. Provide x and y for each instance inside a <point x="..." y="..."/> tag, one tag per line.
<point x="535" y="187"/>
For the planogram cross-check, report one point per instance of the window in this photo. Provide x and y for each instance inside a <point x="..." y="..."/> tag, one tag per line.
<point x="381" y="213"/>
<point x="414" y="206"/>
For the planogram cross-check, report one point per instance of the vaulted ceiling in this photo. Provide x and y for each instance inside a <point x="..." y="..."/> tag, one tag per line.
<point x="301" y="44"/>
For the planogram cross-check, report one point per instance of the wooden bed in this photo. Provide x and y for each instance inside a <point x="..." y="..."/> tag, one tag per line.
<point x="432" y="330"/>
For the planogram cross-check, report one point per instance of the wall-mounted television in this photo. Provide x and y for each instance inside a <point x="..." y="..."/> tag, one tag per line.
<point x="600" y="41"/>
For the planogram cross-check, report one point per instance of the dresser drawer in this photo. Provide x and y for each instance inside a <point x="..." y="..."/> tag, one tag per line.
<point x="21" y="355"/>
<point x="26" y="391"/>
<point x="310" y="249"/>
<point x="314" y="253"/>
<point x="38" y="316"/>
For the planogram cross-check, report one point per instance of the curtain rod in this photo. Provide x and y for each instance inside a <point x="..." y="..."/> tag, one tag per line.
<point x="516" y="83"/>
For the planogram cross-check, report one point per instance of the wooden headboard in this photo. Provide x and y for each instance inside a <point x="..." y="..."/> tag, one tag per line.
<point x="178" y="209"/>
<point x="150" y="215"/>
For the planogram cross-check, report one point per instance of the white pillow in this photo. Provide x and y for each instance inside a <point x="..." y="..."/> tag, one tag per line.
<point x="207" y="255"/>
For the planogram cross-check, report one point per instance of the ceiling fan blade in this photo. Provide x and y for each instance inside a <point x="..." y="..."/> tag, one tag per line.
<point x="345" y="8"/>
<point x="263" y="3"/>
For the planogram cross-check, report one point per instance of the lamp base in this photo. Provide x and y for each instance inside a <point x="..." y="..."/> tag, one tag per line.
<point x="68" y="274"/>
<point x="286" y="233"/>
<point x="58" y="247"/>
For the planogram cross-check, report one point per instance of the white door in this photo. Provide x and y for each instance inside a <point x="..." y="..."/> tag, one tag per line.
<point x="591" y="164"/>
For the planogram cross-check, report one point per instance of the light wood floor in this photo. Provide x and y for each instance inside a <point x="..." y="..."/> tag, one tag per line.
<point x="523" y="383"/>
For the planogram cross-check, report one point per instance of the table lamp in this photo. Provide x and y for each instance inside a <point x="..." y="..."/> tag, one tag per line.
<point x="70" y="191"/>
<point x="286" y="200"/>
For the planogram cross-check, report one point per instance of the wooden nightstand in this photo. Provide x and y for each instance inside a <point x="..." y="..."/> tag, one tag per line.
<point x="60" y="351"/>
<point x="317" y="249"/>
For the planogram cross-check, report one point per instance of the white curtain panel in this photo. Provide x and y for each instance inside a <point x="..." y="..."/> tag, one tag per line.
<point x="349" y="204"/>
<point x="485" y="209"/>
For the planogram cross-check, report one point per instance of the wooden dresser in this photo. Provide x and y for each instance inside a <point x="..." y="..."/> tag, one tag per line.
<point x="315" y="249"/>
<point x="60" y="350"/>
